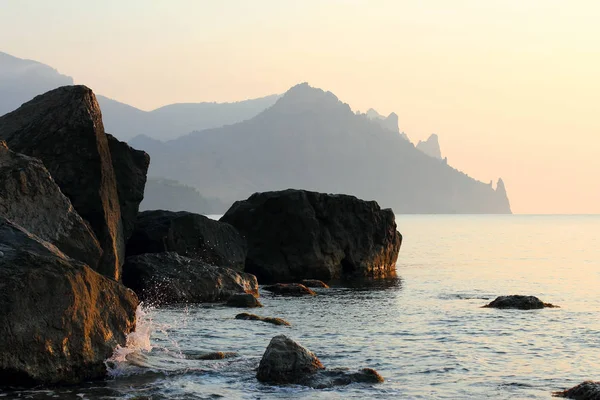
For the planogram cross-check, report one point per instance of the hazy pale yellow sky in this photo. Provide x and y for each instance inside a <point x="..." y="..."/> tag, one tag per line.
<point x="512" y="87"/>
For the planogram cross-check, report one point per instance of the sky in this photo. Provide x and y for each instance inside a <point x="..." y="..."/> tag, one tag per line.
<point x="512" y="87"/>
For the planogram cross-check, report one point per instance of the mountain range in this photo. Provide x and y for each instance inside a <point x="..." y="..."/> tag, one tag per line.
<point x="306" y="139"/>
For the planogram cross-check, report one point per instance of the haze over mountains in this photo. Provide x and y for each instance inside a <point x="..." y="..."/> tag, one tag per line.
<point x="305" y="139"/>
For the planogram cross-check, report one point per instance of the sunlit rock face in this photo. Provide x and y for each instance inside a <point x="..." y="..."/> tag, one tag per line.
<point x="166" y="278"/>
<point x="59" y="319"/>
<point x="63" y="128"/>
<point x="297" y="234"/>
<point x="30" y="197"/>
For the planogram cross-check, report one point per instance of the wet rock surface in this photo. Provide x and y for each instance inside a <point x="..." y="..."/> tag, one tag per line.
<point x="163" y="278"/>
<point x="59" y="319"/>
<point x="188" y="234"/>
<point x="243" y="300"/>
<point x="587" y="390"/>
<point x="270" y="320"/>
<point x="289" y="289"/>
<point x="296" y="234"/>
<point x="519" y="302"/>
<point x="314" y="283"/>
<point x="30" y="198"/>
<point x="215" y="355"/>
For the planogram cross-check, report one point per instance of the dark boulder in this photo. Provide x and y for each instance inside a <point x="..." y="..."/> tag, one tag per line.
<point x="243" y="300"/>
<point x="270" y="320"/>
<point x="584" y="391"/>
<point x="519" y="302"/>
<point x="130" y="166"/>
<point x="289" y="289"/>
<point x="314" y="283"/>
<point x="163" y="278"/>
<point x="59" y="319"/>
<point x="296" y="234"/>
<point x="190" y="235"/>
<point x="287" y="362"/>
<point x="63" y="128"/>
<point x="30" y="198"/>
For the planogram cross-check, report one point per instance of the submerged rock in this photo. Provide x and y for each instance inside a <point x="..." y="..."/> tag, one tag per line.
<point x="287" y="362"/>
<point x="314" y="283"/>
<point x="296" y="234"/>
<point x="30" y="198"/>
<point x="190" y="235"/>
<point x="519" y="302"/>
<point x="243" y="300"/>
<point x="59" y="319"/>
<point x="587" y="390"/>
<point x="270" y="320"/>
<point x="163" y="278"/>
<point x="289" y="289"/>
<point x="63" y="128"/>
<point x="215" y="355"/>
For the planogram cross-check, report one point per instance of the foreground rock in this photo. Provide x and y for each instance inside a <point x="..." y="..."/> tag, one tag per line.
<point x="59" y="319"/>
<point x="519" y="302"/>
<point x="270" y="320"/>
<point x="296" y="234"/>
<point x="584" y="391"/>
<point x="289" y="289"/>
<point x="131" y="167"/>
<point x="190" y="235"/>
<point x="243" y="300"/>
<point x="30" y="198"/>
<point x="63" y="128"/>
<point x="163" y="278"/>
<point x="314" y="283"/>
<point x="287" y="362"/>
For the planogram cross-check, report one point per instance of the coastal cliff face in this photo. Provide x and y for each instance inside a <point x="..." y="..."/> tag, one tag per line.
<point x="311" y="140"/>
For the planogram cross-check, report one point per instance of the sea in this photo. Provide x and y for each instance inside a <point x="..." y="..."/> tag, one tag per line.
<point x="425" y="332"/>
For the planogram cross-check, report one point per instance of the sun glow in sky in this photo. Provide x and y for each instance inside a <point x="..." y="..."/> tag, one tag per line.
<point x="511" y="87"/>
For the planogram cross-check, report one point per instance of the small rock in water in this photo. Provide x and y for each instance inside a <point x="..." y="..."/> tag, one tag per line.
<point x="289" y="289"/>
<point x="246" y="300"/>
<point x="270" y="320"/>
<point x="215" y="355"/>
<point x="587" y="390"/>
<point x="314" y="283"/>
<point x="519" y="302"/>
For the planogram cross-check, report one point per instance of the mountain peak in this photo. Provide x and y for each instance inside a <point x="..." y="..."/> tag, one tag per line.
<point x="431" y="146"/>
<point x="303" y="97"/>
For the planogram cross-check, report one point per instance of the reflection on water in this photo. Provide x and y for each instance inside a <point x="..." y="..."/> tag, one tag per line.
<point x="425" y="333"/>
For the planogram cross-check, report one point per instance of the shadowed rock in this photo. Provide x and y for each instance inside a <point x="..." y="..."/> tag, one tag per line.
<point x="296" y="234"/>
<point x="314" y="283"/>
<point x="130" y="166"/>
<point x="30" y="198"/>
<point x="243" y="300"/>
<point x="587" y="390"/>
<point x="289" y="289"/>
<point x="163" y="278"/>
<point x="190" y="235"/>
<point x="215" y="355"/>
<point x="270" y="320"/>
<point x="519" y="302"/>
<point x="59" y="319"/>
<point x="287" y="362"/>
<point x="63" y="128"/>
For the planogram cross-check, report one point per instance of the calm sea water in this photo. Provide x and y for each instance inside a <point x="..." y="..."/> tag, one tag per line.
<point x="425" y="333"/>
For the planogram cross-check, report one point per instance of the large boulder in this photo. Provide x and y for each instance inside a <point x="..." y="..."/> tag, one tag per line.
<point x="587" y="390"/>
<point x="188" y="234"/>
<point x="59" y="319"/>
<point x="131" y="167"/>
<point x="519" y="302"/>
<point x="63" y="128"/>
<point x="163" y="278"/>
<point x="287" y="362"/>
<point x="296" y="234"/>
<point x="30" y="198"/>
<point x="243" y="300"/>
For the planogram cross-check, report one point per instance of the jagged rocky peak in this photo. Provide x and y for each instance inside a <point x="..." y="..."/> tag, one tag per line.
<point x="431" y="146"/>
<point x="303" y="97"/>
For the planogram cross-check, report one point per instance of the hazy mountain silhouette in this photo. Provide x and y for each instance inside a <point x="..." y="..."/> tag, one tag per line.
<point x="21" y="80"/>
<point x="310" y="140"/>
<point x="390" y="122"/>
<point x="175" y="120"/>
<point x="431" y="146"/>
<point x="168" y="194"/>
